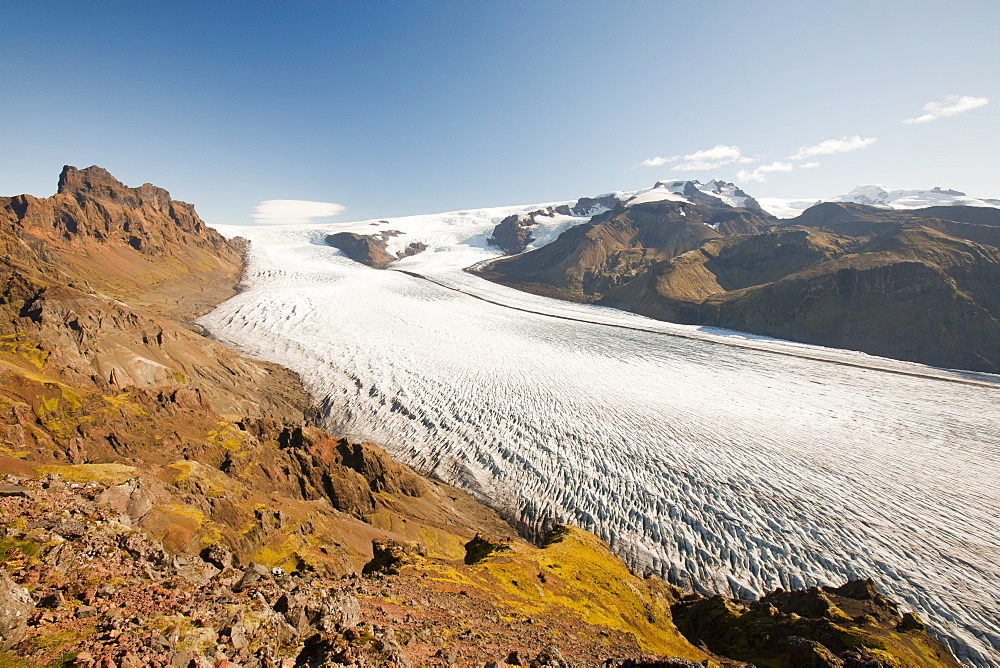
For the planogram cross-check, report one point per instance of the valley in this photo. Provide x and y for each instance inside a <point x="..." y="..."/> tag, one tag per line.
<point x="724" y="468"/>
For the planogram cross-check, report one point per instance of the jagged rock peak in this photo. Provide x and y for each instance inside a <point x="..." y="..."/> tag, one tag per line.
<point x="694" y="190"/>
<point x="98" y="183"/>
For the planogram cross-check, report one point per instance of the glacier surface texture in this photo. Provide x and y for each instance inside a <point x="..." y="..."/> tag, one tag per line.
<point x="720" y="460"/>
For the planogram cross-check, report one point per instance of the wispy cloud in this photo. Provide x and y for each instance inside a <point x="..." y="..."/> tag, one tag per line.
<point x="711" y="158"/>
<point x="809" y="165"/>
<point x="293" y="211"/>
<point x="760" y="174"/>
<point x="830" y="146"/>
<point x="952" y="105"/>
<point x="657" y="161"/>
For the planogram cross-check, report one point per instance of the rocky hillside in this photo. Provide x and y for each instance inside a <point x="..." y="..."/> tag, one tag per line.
<point x="164" y="501"/>
<point x="619" y="245"/>
<point x="136" y="244"/>
<point x="918" y="285"/>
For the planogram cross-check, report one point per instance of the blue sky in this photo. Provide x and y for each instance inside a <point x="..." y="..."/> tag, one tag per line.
<point x="392" y="108"/>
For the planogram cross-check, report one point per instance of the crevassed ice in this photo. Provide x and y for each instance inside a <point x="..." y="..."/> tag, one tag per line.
<point x="723" y="461"/>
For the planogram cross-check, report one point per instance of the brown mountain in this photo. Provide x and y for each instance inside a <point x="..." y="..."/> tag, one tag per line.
<point x="874" y="281"/>
<point x="615" y="247"/>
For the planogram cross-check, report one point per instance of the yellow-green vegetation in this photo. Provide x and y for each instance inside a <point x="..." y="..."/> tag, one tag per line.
<point x="106" y="474"/>
<point x="124" y="404"/>
<point x="189" y="635"/>
<point x="57" y="642"/>
<point x="191" y="476"/>
<point x="575" y="575"/>
<point x="16" y="345"/>
<point x="8" y="452"/>
<point x="13" y="549"/>
<point x="282" y="552"/>
<point x="58" y="412"/>
<point x="759" y="632"/>
<point x="438" y="543"/>
<point x="228" y="436"/>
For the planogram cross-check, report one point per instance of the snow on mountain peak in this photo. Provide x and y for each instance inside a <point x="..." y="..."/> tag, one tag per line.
<point x="683" y="191"/>
<point x="880" y="196"/>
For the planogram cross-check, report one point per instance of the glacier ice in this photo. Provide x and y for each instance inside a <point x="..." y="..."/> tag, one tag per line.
<point x="723" y="461"/>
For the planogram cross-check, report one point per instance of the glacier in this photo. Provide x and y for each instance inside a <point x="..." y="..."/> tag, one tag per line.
<point x="723" y="461"/>
<point x="878" y="196"/>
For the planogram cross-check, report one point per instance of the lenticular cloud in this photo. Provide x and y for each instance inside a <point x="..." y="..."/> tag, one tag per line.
<point x="293" y="211"/>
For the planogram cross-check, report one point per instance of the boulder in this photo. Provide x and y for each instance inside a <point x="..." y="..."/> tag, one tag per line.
<point x="15" y="607"/>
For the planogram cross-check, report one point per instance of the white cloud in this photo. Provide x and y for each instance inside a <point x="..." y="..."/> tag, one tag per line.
<point x="293" y="211"/>
<point x="809" y="165"/>
<point x="830" y="146"/>
<point x="760" y="174"/>
<point x="711" y="158"/>
<point x="952" y="105"/>
<point x="657" y="161"/>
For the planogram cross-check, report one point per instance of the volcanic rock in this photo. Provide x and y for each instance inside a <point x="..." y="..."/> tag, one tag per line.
<point x="15" y="607"/>
<point x="368" y="249"/>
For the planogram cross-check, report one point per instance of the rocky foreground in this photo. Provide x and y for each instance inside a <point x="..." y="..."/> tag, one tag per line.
<point x="164" y="501"/>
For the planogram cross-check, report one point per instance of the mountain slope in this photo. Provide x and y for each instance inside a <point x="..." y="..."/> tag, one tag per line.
<point x="908" y="292"/>
<point x="588" y="260"/>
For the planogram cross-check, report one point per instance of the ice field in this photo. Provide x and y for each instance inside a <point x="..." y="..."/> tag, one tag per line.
<point x="723" y="461"/>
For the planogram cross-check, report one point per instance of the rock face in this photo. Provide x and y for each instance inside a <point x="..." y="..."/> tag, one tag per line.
<point x="15" y="607"/>
<point x="858" y="627"/>
<point x="589" y="206"/>
<point x="372" y="249"/>
<point x="513" y="234"/>
<point x="368" y="249"/>
<point x="124" y="241"/>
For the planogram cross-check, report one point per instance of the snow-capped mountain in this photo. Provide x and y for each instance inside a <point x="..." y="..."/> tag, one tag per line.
<point x="879" y="196"/>
<point x="882" y="196"/>
<point x="691" y="191"/>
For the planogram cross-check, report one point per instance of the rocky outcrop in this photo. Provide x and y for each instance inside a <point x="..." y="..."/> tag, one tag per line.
<point x="589" y="206"/>
<point x="851" y="625"/>
<point x="513" y="234"/>
<point x="137" y="244"/>
<point x="368" y="249"/>
<point x="15" y="607"/>
<point x="372" y="249"/>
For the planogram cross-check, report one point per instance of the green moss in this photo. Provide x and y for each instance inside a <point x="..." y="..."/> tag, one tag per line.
<point x="13" y="549"/>
<point x="16" y="344"/>
<point x="228" y="436"/>
<point x="107" y="474"/>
